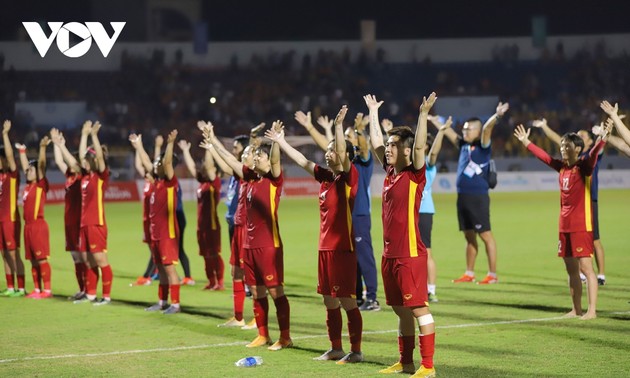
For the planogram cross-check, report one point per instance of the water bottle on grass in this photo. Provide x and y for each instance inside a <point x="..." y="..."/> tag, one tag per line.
<point x="249" y="361"/>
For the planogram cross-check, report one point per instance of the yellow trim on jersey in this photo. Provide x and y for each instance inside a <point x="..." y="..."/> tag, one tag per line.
<point x="587" y="204"/>
<point x="171" y="211"/>
<point x="99" y="201"/>
<point x="411" y="220"/>
<point x="274" y="229"/>
<point x="13" y="197"/>
<point x="213" y="223"/>
<point x="38" y="197"/>
<point x="349" y="215"/>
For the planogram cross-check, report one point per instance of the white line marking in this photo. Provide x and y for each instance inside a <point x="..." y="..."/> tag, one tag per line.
<point x="238" y="343"/>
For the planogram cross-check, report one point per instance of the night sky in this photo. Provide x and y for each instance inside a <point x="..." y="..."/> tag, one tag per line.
<point x="247" y="20"/>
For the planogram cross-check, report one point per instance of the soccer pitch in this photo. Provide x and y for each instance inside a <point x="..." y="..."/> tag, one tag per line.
<point x="512" y="329"/>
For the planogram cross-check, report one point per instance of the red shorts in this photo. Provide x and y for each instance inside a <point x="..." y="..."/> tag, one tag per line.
<point x="165" y="251"/>
<point x="93" y="239"/>
<point x="337" y="274"/>
<point x="264" y="266"/>
<point x="10" y="235"/>
<point x="209" y="242"/>
<point x="236" y="246"/>
<point x="72" y="237"/>
<point x="405" y="281"/>
<point x="37" y="240"/>
<point x="575" y="244"/>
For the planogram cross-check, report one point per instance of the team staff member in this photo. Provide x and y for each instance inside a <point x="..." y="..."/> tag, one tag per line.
<point x="404" y="262"/>
<point x="337" y="254"/>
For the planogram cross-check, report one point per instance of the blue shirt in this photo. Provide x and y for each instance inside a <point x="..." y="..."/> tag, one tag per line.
<point x="362" y="202"/>
<point x="473" y="182"/>
<point x="232" y="199"/>
<point x="427" y="206"/>
<point x="180" y="204"/>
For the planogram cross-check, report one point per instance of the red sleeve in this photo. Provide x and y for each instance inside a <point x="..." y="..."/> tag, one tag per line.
<point x="352" y="177"/>
<point x="544" y="157"/>
<point x="249" y="174"/>
<point x="322" y="174"/>
<point x="43" y="183"/>
<point x="172" y="182"/>
<point x="588" y="165"/>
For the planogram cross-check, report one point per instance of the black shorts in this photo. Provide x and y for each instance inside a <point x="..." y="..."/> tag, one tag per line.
<point x="425" y="224"/>
<point x="473" y="212"/>
<point x="595" y="210"/>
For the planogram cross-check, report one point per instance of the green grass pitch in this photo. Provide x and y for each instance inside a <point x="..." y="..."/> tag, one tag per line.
<point x="511" y="329"/>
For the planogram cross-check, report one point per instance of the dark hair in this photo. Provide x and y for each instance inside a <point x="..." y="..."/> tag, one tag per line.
<point x="265" y="147"/>
<point x="405" y="135"/>
<point x="3" y="153"/>
<point x="32" y="163"/>
<point x="590" y="134"/>
<point x="351" y="149"/>
<point x="575" y="139"/>
<point x="430" y="140"/>
<point x="474" y="119"/>
<point x="242" y="139"/>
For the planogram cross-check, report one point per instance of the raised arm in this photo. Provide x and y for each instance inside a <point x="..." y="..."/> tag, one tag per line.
<point x="327" y="125"/>
<point x="212" y="142"/>
<point x="612" y="112"/>
<point x="523" y="137"/>
<point x="22" y="154"/>
<point x="295" y="155"/>
<point x="360" y="123"/>
<point x="340" y="141"/>
<point x="63" y="167"/>
<point x="209" y="166"/>
<point x="8" y="149"/>
<point x="136" y="143"/>
<point x="159" y="142"/>
<point x="41" y="159"/>
<point x="549" y="133"/>
<point x="100" y="159"/>
<point x="420" y="139"/>
<point x="305" y="120"/>
<point x="226" y="169"/>
<point x="274" y="158"/>
<point x="437" y="142"/>
<point x="188" y="160"/>
<point x="167" y="162"/>
<point x="66" y="157"/>
<point x="85" y="132"/>
<point x="486" y="131"/>
<point x="619" y="144"/>
<point x="376" y="136"/>
<point x="450" y="134"/>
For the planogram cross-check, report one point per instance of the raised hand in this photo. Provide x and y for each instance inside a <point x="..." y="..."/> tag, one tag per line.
<point x="159" y="141"/>
<point x="184" y="145"/>
<point x="502" y="108"/>
<point x="387" y="125"/>
<point x="20" y="146"/>
<point x="277" y="126"/>
<point x="135" y="139"/>
<point x="539" y="123"/>
<point x="360" y="122"/>
<point x="341" y="115"/>
<point x="257" y="129"/>
<point x="324" y="122"/>
<point x="447" y="124"/>
<point x="274" y="135"/>
<point x="95" y="128"/>
<point x="45" y="141"/>
<point x="427" y="103"/>
<point x="87" y="128"/>
<point x="304" y="119"/>
<point x="6" y="126"/>
<point x="171" y="137"/>
<point x="201" y="125"/>
<point x="371" y="102"/>
<point x="607" y="130"/>
<point x="522" y="135"/>
<point x="608" y="108"/>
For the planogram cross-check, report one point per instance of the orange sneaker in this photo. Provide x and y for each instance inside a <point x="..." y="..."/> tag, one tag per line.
<point x="281" y="344"/>
<point x="465" y="278"/>
<point x="259" y="341"/>
<point x="488" y="280"/>
<point x="142" y="281"/>
<point x="187" y="281"/>
<point x="218" y="287"/>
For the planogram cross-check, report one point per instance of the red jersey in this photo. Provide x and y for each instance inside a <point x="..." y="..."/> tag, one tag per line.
<point x="402" y="194"/>
<point x="72" y="199"/>
<point x="208" y="197"/>
<point x="93" y="185"/>
<point x="575" y="188"/>
<point x="240" y="215"/>
<point x="147" y="190"/>
<point x="336" y="201"/>
<point x="34" y="200"/>
<point x="162" y="210"/>
<point x="263" y="198"/>
<point x="9" y="187"/>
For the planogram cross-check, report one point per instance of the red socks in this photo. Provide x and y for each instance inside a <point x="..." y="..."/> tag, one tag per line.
<point x="45" y="273"/>
<point x="35" y="273"/>
<point x="427" y="348"/>
<point x="163" y="293"/>
<point x="79" y="272"/>
<point x="283" y="312"/>
<point x="406" y="344"/>
<point x="238" y="289"/>
<point x="174" y="293"/>
<point x="334" y="324"/>
<point x="355" y="328"/>
<point x="261" y="311"/>
<point x="108" y="277"/>
<point x="91" y="280"/>
<point x="9" y="278"/>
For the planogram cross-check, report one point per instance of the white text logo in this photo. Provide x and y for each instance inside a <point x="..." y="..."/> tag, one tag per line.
<point x="61" y="31"/>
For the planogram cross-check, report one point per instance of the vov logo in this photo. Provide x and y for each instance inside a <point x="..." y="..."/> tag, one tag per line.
<point x="88" y="32"/>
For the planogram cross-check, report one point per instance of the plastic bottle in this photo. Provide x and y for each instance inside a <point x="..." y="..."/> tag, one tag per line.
<point x="249" y="361"/>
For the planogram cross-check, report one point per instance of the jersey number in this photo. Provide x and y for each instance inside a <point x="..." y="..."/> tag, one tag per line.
<point x="565" y="183"/>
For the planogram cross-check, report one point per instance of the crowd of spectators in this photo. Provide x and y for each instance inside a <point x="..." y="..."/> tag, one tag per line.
<point x="150" y="97"/>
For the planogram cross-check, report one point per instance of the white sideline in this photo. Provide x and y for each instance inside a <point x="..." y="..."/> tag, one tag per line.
<point x="136" y="351"/>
